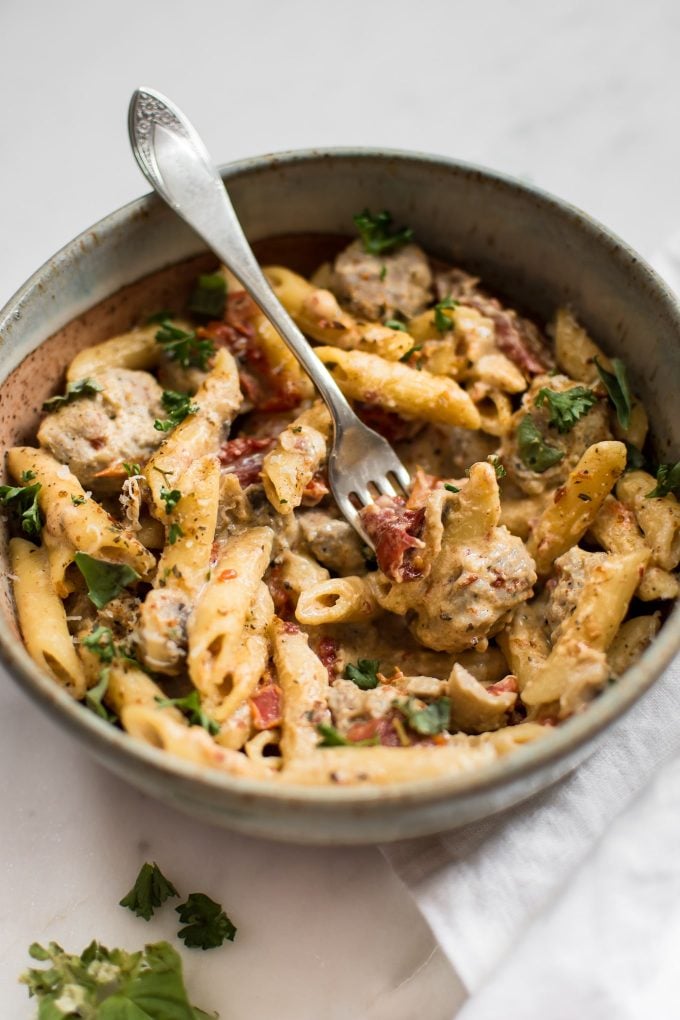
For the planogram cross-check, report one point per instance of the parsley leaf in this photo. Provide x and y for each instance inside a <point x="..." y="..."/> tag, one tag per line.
<point x="409" y="354"/>
<point x="667" y="480"/>
<point x="567" y="407"/>
<point x="364" y="674"/>
<point x="95" y="695"/>
<point x="131" y="469"/>
<point x="376" y="232"/>
<point x="535" y="454"/>
<point x="635" y="459"/>
<point x="78" y="500"/>
<point x="427" y="721"/>
<point x="616" y="385"/>
<point x="104" y="580"/>
<point x="151" y="890"/>
<point x="171" y="498"/>
<point x="334" y="738"/>
<point x="110" y="984"/>
<point x="22" y="503"/>
<point x="495" y="462"/>
<point x="442" y="321"/>
<point x="100" y="641"/>
<point x="396" y="324"/>
<point x="192" y="709"/>
<point x="81" y="388"/>
<point x="207" y="925"/>
<point x="451" y="488"/>
<point x="174" y="532"/>
<point x="178" y="406"/>
<point x="27" y="476"/>
<point x="209" y="296"/>
<point x="185" y="347"/>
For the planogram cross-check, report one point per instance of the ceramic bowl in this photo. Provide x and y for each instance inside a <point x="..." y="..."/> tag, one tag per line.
<point x="535" y="250"/>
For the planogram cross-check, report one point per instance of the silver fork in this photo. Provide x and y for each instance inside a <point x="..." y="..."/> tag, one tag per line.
<point x="176" y="163"/>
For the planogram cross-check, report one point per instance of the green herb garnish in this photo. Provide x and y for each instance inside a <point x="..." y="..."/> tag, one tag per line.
<point x="333" y="738"/>
<point x="364" y="674"/>
<point x="495" y="462"/>
<point x="191" y="707"/>
<point x="22" y="503"/>
<point x="209" y="296"/>
<point x="27" y="476"/>
<point x="159" y="317"/>
<point x="104" y="580"/>
<point x="207" y="925"/>
<point x="435" y="718"/>
<point x="451" y="488"/>
<point x="74" y="390"/>
<point x="78" y="500"/>
<point x="178" y="406"/>
<point x="110" y="984"/>
<point x="185" y="347"/>
<point x="667" y="480"/>
<point x="376" y="232"/>
<point x="409" y="354"/>
<point x="635" y="459"/>
<point x="567" y="407"/>
<point x="171" y="498"/>
<point x="616" y="385"/>
<point x="534" y="453"/>
<point x="100" y="641"/>
<point x="95" y="695"/>
<point x="396" y="324"/>
<point x="151" y="890"/>
<point x="442" y="321"/>
<point x="132" y="469"/>
<point x="174" y="532"/>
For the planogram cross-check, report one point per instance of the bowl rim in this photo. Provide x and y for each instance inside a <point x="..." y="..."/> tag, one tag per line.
<point x="570" y="738"/>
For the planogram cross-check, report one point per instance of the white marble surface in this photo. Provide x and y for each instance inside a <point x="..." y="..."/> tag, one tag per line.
<point x="580" y="98"/>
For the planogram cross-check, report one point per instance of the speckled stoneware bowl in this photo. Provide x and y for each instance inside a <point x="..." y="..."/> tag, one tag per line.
<point x="534" y="249"/>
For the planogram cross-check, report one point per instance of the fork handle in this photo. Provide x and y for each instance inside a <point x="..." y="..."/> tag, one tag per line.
<point x="176" y="163"/>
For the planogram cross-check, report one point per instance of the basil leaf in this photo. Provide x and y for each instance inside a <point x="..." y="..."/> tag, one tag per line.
<point x="104" y="580"/>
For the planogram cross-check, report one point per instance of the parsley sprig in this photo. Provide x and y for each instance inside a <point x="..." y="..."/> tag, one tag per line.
<point x="330" y="737"/>
<point x="667" y="480"/>
<point x="185" y="346"/>
<point x="151" y="890"/>
<point x="616" y="385"/>
<point x="178" y="406"/>
<point x="74" y="390"/>
<point x="22" y="503"/>
<point x="376" y="233"/>
<point x="191" y="707"/>
<point x="206" y="924"/>
<point x="428" y="721"/>
<point x="534" y="452"/>
<point x="443" y="322"/>
<point x="111" y="983"/>
<point x="567" y="407"/>
<point x="364" y="674"/>
<point x="170" y="497"/>
<point x="209" y="296"/>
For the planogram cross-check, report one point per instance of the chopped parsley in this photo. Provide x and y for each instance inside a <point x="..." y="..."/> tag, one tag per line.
<point x="334" y="738"/>
<point x="206" y="924"/>
<point x="95" y="695"/>
<point x="27" y="476"/>
<point x="104" y="580"/>
<point x="616" y="385"/>
<point x="396" y="324"/>
<point x="364" y="674"/>
<point x="191" y="707"/>
<point x="383" y="272"/>
<point x="131" y="469"/>
<point x="534" y="453"/>
<point x="409" y="354"/>
<point x="428" y="721"/>
<point x="635" y="459"/>
<point x="111" y="983"/>
<point x="151" y="890"/>
<point x="377" y="235"/>
<point x="178" y="406"/>
<point x="185" y="347"/>
<point x="567" y="407"/>
<point x="22" y="503"/>
<point x="442" y="321"/>
<point x="209" y="296"/>
<point x="495" y="462"/>
<point x="451" y="488"/>
<point x="74" y="390"/>
<point x="667" y="480"/>
<point x="171" y="498"/>
<point x="100" y="641"/>
<point x="78" y="500"/>
<point x="174" y="532"/>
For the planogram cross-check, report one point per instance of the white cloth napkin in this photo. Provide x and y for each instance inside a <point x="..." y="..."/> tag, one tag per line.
<point x="568" y="905"/>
